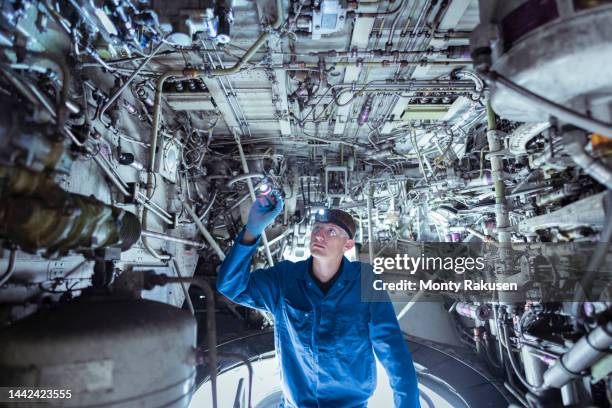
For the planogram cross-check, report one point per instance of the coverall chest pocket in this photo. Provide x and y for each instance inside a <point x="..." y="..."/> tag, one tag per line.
<point x="351" y="324"/>
<point x="298" y="323"/>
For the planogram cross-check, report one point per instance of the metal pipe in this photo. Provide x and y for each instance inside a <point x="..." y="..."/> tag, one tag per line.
<point x="569" y="394"/>
<point x="379" y="13"/>
<point x="494" y="138"/>
<point x="111" y="176"/>
<point x="370" y="233"/>
<point x="586" y="352"/>
<point x="245" y="168"/>
<point x="594" y="168"/>
<point x="149" y="207"/>
<point x="153" y="252"/>
<point x="142" y="198"/>
<point x="244" y="59"/>
<point x="412" y="38"/>
<point x="207" y="236"/>
<point x="109" y="165"/>
<point x="479" y="234"/>
<point x="401" y="9"/>
<point x="256" y="46"/>
<point x="128" y="81"/>
<point x="120" y="184"/>
<point x="159" y="235"/>
<point x="470" y="75"/>
<point x="211" y="327"/>
<point x="401" y="63"/>
<point x="328" y="141"/>
<point x="210" y="204"/>
<point x="375" y="53"/>
<point x="281" y="236"/>
<point x="185" y="290"/>
<point x="231" y="95"/>
<point x="154" y="136"/>
<point x="506" y="342"/>
<point x="515" y="393"/>
<point x="243" y="177"/>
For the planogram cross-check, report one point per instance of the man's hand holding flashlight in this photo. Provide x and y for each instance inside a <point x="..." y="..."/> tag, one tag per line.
<point x="263" y="212"/>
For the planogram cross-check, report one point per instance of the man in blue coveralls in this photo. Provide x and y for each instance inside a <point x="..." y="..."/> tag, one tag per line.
<point x="324" y="332"/>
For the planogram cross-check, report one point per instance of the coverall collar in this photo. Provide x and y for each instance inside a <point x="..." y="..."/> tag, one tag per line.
<point x="348" y="270"/>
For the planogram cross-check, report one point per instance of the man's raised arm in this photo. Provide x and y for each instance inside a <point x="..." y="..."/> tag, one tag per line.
<point x="261" y="288"/>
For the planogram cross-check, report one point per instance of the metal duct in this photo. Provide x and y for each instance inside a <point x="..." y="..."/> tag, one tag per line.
<point x="100" y="348"/>
<point x="580" y="357"/>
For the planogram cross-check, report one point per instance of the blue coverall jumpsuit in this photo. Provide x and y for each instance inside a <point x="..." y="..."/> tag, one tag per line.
<point x="324" y="342"/>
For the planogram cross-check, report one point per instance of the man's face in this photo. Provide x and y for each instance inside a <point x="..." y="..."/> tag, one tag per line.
<point x="329" y="240"/>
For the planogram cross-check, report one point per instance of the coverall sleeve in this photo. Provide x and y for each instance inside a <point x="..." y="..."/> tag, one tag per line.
<point x="259" y="289"/>
<point x="392" y="351"/>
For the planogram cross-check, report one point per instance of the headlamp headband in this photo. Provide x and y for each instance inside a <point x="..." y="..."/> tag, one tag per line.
<point x="326" y="216"/>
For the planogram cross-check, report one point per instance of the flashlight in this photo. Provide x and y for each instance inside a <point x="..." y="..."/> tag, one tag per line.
<point x="264" y="194"/>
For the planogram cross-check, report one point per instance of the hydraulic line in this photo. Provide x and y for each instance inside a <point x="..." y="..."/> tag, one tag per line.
<point x="401" y="7"/>
<point x="169" y="238"/>
<point x="128" y="81"/>
<point x="207" y="235"/>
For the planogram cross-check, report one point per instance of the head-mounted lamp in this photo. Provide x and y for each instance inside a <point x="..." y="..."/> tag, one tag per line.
<point x="325" y="215"/>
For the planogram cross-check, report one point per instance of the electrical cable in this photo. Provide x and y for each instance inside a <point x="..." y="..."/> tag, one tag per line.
<point x="513" y="363"/>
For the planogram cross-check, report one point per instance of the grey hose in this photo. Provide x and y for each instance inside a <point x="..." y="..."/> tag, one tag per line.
<point x="472" y="76"/>
<point x="514" y="364"/>
<point x="550" y="107"/>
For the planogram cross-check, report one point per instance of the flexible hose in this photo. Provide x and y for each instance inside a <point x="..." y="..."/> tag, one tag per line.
<point x="550" y="107"/>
